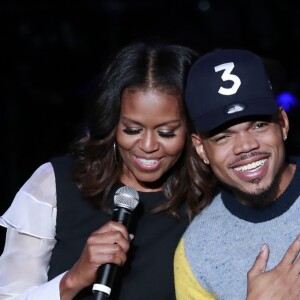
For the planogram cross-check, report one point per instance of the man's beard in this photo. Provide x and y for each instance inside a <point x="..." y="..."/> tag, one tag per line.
<point x="262" y="197"/>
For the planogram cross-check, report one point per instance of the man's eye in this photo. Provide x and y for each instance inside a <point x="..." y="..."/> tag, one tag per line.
<point x="132" y="131"/>
<point x="260" y="125"/>
<point x="220" y="138"/>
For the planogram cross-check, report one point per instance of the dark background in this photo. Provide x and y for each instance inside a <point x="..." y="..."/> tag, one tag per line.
<point x="51" y="53"/>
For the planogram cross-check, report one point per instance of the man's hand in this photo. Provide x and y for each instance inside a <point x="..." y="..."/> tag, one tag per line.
<point x="280" y="283"/>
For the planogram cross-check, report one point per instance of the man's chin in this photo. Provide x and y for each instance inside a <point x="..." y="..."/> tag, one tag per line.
<point x="259" y="198"/>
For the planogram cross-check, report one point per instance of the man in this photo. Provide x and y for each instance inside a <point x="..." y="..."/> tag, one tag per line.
<point x="240" y="135"/>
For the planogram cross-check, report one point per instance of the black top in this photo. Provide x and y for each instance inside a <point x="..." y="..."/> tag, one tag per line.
<point x="148" y="271"/>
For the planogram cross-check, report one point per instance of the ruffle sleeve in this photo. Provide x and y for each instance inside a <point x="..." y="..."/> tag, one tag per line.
<point x="30" y="238"/>
<point x="33" y="210"/>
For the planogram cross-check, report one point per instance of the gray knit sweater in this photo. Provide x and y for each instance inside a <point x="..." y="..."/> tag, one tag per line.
<point x="223" y="241"/>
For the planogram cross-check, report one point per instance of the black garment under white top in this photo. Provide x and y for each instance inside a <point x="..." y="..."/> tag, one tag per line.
<point x="49" y="215"/>
<point x="148" y="272"/>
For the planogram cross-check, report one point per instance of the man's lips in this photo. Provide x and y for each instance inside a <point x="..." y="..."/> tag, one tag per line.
<point x="251" y="166"/>
<point x="252" y="170"/>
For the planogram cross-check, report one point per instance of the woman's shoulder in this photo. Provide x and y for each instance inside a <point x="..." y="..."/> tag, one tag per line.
<point x="41" y="185"/>
<point x="62" y="165"/>
<point x="65" y="160"/>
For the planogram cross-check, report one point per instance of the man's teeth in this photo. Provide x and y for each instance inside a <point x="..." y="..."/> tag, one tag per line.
<point x="148" y="162"/>
<point x="251" y="166"/>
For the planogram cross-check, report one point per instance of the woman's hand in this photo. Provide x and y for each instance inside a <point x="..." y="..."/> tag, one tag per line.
<point x="279" y="283"/>
<point x="108" y="244"/>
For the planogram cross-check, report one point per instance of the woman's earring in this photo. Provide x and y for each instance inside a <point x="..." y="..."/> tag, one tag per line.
<point x="285" y="137"/>
<point x="115" y="153"/>
<point x="205" y="161"/>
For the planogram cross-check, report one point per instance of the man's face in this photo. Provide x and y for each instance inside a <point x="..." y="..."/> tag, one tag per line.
<point x="247" y="157"/>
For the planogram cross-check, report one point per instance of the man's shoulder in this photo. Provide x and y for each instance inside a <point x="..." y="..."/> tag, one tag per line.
<point x="208" y="217"/>
<point x="216" y="205"/>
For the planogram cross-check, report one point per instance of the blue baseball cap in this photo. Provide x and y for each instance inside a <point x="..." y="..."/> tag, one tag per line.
<point x="227" y="84"/>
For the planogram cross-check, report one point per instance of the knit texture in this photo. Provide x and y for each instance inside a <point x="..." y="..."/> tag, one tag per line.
<point x="221" y="244"/>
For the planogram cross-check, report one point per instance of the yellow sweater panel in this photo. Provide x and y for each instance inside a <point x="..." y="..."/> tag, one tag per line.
<point x="186" y="285"/>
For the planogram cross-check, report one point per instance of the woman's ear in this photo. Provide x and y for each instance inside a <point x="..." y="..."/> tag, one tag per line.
<point x="197" y="142"/>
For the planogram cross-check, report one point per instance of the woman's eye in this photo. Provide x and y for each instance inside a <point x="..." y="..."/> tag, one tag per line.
<point x="163" y="134"/>
<point x="132" y="131"/>
<point x="167" y="134"/>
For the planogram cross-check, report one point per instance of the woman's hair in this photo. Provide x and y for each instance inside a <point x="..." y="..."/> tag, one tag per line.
<point x="98" y="167"/>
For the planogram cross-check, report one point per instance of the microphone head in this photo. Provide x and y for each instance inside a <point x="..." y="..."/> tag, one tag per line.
<point x="126" y="197"/>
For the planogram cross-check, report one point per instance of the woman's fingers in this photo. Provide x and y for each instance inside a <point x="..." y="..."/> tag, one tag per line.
<point x="108" y="244"/>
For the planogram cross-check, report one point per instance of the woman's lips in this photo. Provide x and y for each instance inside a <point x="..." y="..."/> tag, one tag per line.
<point x="148" y="163"/>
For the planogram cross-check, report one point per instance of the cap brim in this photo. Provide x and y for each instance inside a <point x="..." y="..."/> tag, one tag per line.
<point x="213" y="119"/>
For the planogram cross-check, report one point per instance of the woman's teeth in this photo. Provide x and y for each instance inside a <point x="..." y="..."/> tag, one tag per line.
<point x="148" y="162"/>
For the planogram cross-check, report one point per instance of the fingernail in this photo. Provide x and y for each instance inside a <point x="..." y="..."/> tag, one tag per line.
<point x="262" y="248"/>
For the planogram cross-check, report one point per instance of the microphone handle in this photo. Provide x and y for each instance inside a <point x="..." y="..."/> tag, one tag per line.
<point x="122" y="215"/>
<point x="107" y="273"/>
<point x="100" y="296"/>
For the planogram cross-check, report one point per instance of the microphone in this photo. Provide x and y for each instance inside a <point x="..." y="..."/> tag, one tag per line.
<point x="126" y="200"/>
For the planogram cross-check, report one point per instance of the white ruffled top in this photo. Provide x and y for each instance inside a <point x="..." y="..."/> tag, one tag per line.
<point x="30" y="238"/>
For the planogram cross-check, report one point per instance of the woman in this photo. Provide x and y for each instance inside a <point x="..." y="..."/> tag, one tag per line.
<point x="59" y="225"/>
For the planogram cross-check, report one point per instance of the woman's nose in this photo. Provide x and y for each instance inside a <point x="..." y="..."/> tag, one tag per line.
<point x="149" y="143"/>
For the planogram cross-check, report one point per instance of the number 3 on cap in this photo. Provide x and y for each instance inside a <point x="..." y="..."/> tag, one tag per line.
<point x="228" y="67"/>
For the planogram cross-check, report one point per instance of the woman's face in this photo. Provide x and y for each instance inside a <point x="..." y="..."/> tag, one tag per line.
<point x="150" y="136"/>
